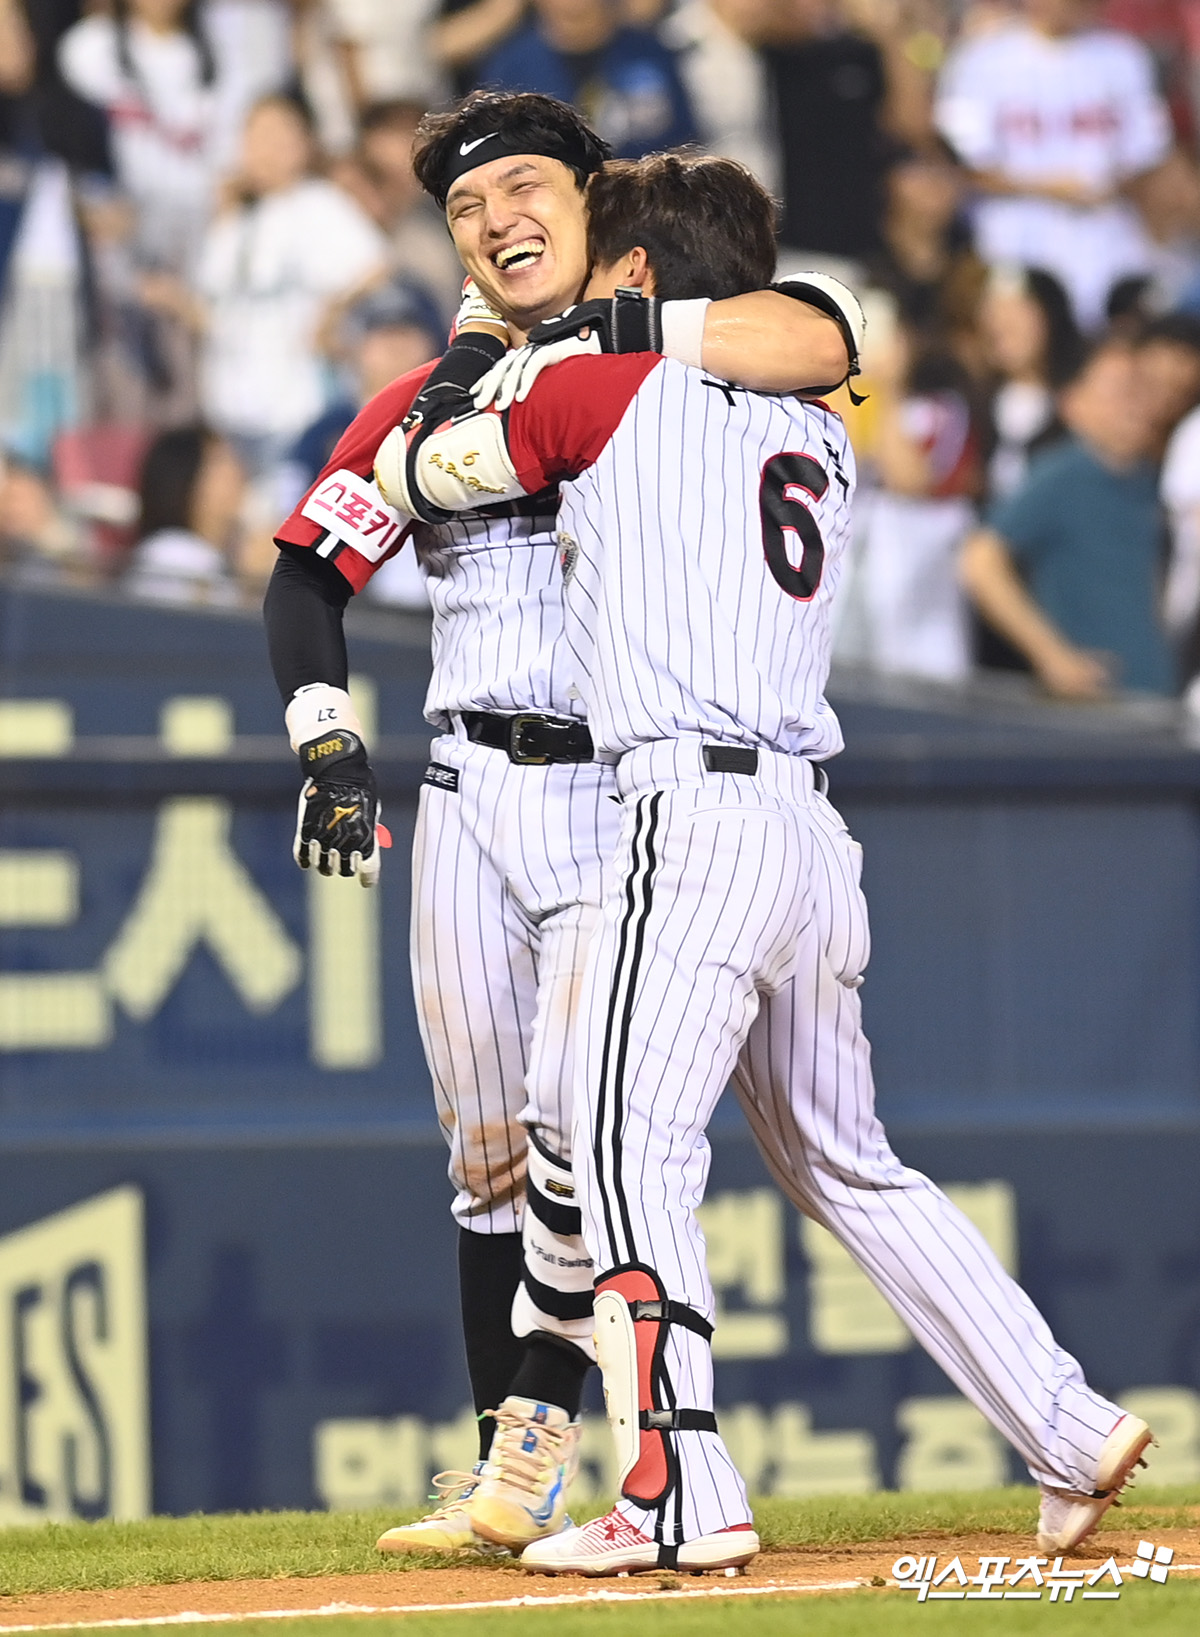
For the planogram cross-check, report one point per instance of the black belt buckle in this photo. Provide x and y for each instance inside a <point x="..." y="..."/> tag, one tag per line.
<point x="517" y="727"/>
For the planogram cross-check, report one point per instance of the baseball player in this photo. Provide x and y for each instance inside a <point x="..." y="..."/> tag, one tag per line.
<point x="701" y="531"/>
<point x="515" y="819"/>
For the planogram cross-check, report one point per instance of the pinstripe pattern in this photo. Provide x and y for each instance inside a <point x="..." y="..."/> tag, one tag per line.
<point x="496" y="591"/>
<point x="506" y="880"/>
<point x="734" y="934"/>
<point x="671" y="612"/>
<point x="506" y="885"/>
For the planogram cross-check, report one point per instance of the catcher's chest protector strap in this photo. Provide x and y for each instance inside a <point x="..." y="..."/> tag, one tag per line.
<point x="633" y="1314"/>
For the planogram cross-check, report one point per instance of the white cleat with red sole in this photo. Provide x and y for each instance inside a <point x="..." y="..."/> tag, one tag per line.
<point x="611" y="1545"/>
<point x="1066" y="1519"/>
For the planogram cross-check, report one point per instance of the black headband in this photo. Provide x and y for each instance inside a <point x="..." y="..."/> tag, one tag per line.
<point x="468" y="153"/>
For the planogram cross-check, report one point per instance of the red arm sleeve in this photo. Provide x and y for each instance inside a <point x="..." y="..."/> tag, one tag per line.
<point x="355" y="452"/>
<point x="570" y="414"/>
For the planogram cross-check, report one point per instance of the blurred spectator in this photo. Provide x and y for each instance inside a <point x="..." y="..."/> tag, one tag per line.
<point x="1068" y="567"/>
<point x="624" y="80"/>
<point x="926" y="263"/>
<point x="388" y="332"/>
<point x="1056" y="117"/>
<point x="1169" y="201"/>
<point x="43" y="380"/>
<point x="38" y="543"/>
<point x="467" y="31"/>
<point x="1171" y="31"/>
<point x="726" y="79"/>
<point x="1181" y="497"/>
<point x="841" y="83"/>
<point x="381" y="178"/>
<point x="286" y="249"/>
<point x="1031" y="347"/>
<point x="44" y="111"/>
<point x="152" y="68"/>
<point x="191" y="494"/>
<point x="927" y="457"/>
<point x="382" y="50"/>
<point x="1167" y="351"/>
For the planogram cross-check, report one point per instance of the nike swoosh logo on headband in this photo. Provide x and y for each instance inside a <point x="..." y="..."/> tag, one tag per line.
<point x="466" y="147"/>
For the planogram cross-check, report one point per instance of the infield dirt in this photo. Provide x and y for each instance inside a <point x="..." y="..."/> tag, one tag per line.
<point x="810" y="1569"/>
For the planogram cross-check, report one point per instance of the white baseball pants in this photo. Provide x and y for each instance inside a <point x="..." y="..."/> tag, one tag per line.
<point x="731" y="942"/>
<point x="506" y="889"/>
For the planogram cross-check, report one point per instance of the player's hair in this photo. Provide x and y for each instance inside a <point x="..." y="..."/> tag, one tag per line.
<point x="525" y="121"/>
<point x="706" y="225"/>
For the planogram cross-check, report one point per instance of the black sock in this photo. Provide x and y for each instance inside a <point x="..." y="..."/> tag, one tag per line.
<point x="489" y="1271"/>
<point x="552" y="1371"/>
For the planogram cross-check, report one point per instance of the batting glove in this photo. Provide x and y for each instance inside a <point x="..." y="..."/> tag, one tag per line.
<point x="475" y="308"/>
<point x="511" y="380"/>
<point x="337" y="823"/>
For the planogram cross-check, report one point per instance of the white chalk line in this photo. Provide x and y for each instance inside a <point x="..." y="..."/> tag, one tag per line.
<point x="194" y="1617"/>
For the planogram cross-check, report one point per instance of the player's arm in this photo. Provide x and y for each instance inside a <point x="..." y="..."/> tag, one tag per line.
<point x="484" y="457"/>
<point x="802" y="335"/>
<point x="771" y="342"/>
<point x="338" y="535"/>
<point x="338" y="819"/>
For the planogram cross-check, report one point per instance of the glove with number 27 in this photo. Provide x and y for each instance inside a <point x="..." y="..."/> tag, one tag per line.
<point x="337" y="824"/>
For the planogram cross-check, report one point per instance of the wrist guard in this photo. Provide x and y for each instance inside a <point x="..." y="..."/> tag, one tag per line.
<point x="627" y="321"/>
<point x="837" y="301"/>
<point x="446" y="392"/>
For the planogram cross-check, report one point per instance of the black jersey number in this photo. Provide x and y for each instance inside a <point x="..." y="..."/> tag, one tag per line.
<point x="789" y="482"/>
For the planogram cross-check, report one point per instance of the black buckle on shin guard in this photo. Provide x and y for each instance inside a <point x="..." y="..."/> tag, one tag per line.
<point x="677" y="1421"/>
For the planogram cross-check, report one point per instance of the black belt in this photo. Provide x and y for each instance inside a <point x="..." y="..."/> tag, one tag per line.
<point x="530" y="738"/>
<point x="730" y="759"/>
<point x="738" y="759"/>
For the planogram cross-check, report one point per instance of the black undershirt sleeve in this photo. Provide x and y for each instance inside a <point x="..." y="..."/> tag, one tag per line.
<point x="303" y="608"/>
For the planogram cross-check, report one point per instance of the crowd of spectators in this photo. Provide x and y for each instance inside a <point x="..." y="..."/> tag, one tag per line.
<point x="213" y="250"/>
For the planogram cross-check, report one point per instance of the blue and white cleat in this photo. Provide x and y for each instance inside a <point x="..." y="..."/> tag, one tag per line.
<point x="447" y="1528"/>
<point x="522" y="1491"/>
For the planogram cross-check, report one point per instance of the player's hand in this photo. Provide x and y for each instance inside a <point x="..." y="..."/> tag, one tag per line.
<point x="337" y="825"/>
<point x="1073" y="673"/>
<point x="475" y="308"/>
<point x="626" y="321"/>
<point x="511" y="380"/>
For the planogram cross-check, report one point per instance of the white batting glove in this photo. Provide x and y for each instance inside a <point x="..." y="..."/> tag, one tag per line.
<point x="511" y="380"/>
<point x="475" y="308"/>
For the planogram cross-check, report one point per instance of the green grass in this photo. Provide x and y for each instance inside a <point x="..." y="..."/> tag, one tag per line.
<point x="841" y="1520"/>
<point x="284" y="1545"/>
<point x="1164" y="1611"/>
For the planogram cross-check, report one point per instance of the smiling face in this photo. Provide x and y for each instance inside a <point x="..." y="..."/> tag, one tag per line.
<point x="519" y="225"/>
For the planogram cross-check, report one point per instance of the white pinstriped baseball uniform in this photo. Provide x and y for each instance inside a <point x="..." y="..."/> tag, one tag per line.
<point x="506" y="867"/>
<point x="702" y="536"/>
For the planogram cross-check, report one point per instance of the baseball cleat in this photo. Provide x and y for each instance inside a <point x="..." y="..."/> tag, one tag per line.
<point x="522" y="1491"/>
<point x="611" y="1545"/>
<point x="447" y="1528"/>
<point x="1066" y="1519"/>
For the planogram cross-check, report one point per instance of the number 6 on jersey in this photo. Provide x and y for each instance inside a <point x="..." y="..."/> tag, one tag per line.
<point x="786" y="479"/>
